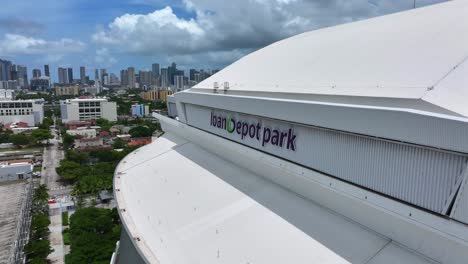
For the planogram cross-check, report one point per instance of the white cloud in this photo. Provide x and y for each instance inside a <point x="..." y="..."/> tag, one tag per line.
<point x="232" y="25"/>
<point x="160" y="30"/>
<point x="13" y="44"/>
<point x="103" y="58"/>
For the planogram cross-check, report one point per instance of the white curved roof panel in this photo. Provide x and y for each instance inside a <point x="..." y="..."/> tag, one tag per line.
<point x="187" y="205"/>
<point x="403" y="55"/>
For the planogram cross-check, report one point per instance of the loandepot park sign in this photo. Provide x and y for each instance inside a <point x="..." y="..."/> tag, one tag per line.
<point x="243" y="129"/>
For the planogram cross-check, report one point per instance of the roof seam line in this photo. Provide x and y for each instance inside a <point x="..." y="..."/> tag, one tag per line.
<point x="447" y="74"/>
<point x="378" y="252"/>
<point x="159" y="155"/>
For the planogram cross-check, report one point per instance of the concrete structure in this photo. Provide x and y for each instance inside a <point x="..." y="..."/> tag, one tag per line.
<point x="40" y="83"/>
<point x="6" y="94"/>
<point x="15" y="171"/>
<point x="83" y="132"/>
<point x="62" y="75"/>
<point x="88" y="109"/>
<point x="11" y="84"/>
<point x="83" y="75"/>
<point x="67" y="90"/>
<point x="131" y="77"/>
<point x="157" y="94"/>
<point x="27" y="111"/>
<point x="46" y="70"/>
<point x="14" y="216"/>
<point x="171" y="106"/>
<point x="140" y="110"/>
<point x="86" y="143"/>
<point x="358" y="155"/>
<point x="70" y="75"/>
<point x="36" y="73"/>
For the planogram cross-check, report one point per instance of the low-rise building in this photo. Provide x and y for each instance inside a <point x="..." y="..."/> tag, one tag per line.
<point x="6" y="94"/>
<point x="15" y="171"/>
<point x="83" y="132"/>
<point x="41" y="83"/>
<point x="78" y="124"/>
<point x="88" y="109"/>
<point x="67" y="90"/>
<point x="140" y="110"/>
<point x="157" y="95"/>
<point x="27" y="111"/>
<point x="89" y="143"/>
<point x="139" y="141"/>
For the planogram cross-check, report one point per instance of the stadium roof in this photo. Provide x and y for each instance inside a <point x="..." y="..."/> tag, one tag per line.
<point x="184" y="204"/>
<point x="419" y="54"/>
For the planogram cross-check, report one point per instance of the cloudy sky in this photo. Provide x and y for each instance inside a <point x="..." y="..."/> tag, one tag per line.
<point x="115" y="34"/>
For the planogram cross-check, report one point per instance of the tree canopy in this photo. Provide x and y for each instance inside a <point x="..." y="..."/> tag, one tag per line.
<point x="93" y="234"/>
<point x="140" y="131"/>
<point x="41" y="134"/>
<point x="19" y="140"/>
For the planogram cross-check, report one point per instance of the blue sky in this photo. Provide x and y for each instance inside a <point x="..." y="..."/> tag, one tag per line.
<point x="116" y="34"/>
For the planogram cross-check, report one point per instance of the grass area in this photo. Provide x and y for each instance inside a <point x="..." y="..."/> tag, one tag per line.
<point x="64" y="218"/>
<point x="37" y="169"/>
<point x="23" y="149"/>
<point x="66" y="236"/>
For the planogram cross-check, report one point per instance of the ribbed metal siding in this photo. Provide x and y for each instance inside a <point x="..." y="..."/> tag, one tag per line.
<point x="460" y="208"/>
<point x="421" y="176"/>
<point x="416" y="175"/>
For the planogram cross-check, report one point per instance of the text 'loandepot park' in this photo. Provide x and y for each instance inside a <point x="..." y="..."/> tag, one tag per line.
<point x="245" y="129"/>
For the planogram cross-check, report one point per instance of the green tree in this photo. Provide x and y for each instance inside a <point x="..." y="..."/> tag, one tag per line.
<point x="140" y="131"/>
<point x="38" y="249"/>
<point x="93" y="233"/>
<point x="119" y="144"/>
<point x="41" y="134"/>
<point x="76" y="156"/>
<point x="19" y="140"/>
<point x="40" y="226"/>
<point x="40" y="194"/>
<point x="5" y="136"/>
<point x="104" y="124"/>
<point x="46" y="123"/>
<point x="68" y="140"/>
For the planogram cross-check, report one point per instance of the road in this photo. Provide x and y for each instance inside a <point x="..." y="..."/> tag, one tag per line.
<point x="51" y="160"/>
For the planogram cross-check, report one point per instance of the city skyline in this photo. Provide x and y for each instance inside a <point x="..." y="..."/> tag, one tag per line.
<point x="194" y="33"/>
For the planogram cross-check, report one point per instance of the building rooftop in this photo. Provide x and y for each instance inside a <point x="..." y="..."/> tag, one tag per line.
<point x="11" y="196"/>
<point x="167" y="190"/>
<point x="417" y="55"/>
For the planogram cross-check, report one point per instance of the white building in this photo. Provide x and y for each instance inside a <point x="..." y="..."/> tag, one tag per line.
<point x="88" y="109"/>
<point x="89" y="142"/>
<point x="358" y="155"/>
<point x="6" y="94"/>
<point x="15" y="171"/>
<point x="28" y="111"/>
<point x="83" y="132"/>
<point x="11" y="84"/>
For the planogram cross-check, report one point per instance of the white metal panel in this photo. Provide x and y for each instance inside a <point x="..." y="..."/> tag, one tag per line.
<point x="395" y="254"/>
<point x="407" y="125"/>
<point x="397" y="56"/>
<point x="204" y="209"/>
<point x="421" y="176"/>
<point x="460" y="208"/>
<point x="436" y="237"/>
<point x="451" y="92"/>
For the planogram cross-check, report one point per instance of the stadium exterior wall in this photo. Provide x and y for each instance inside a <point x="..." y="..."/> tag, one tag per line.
<point x="428" y="178"/>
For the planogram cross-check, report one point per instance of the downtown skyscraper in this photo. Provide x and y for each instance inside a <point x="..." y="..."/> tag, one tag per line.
<point x="46" y="70"/>
<point x="62" y="76"/>
<point x="83" y="75"/>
